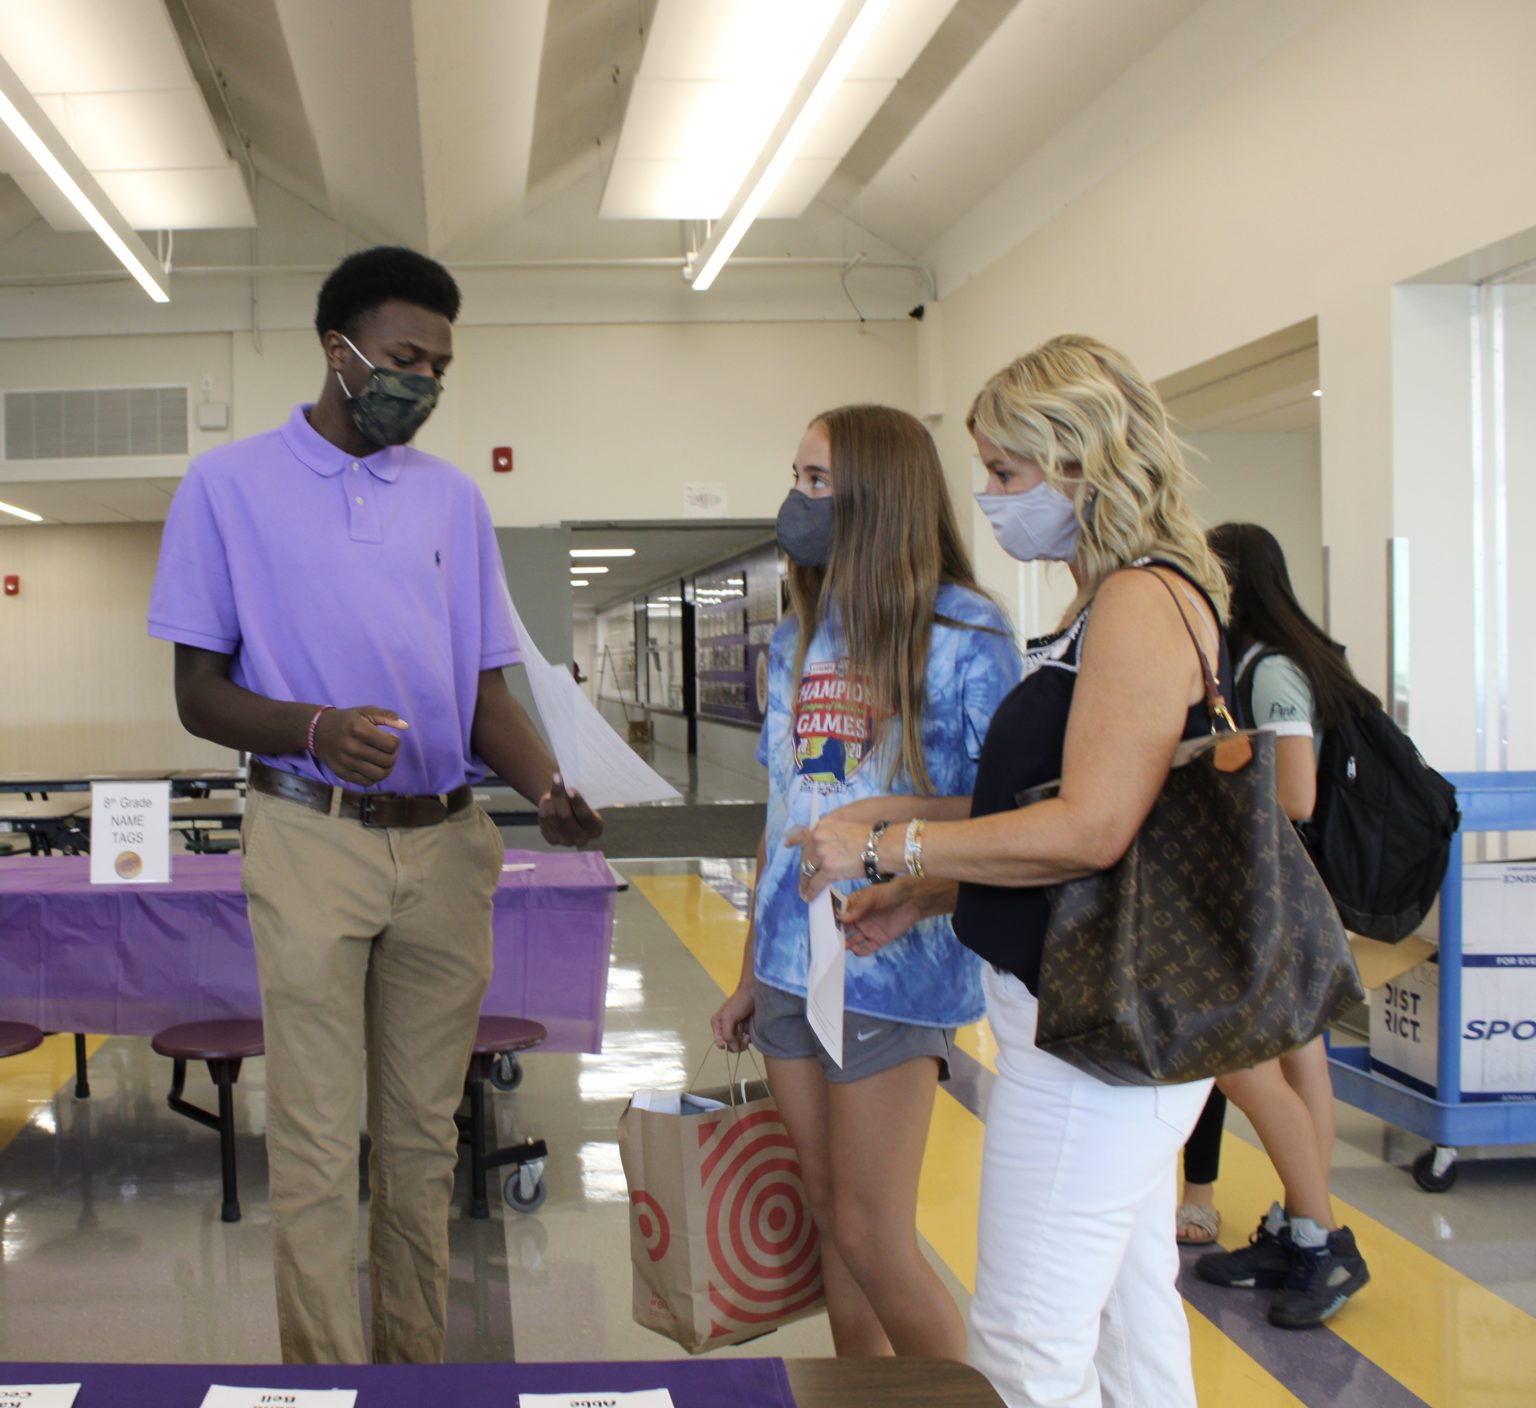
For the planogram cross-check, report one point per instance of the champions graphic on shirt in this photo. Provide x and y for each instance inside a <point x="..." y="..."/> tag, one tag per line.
<point x="834" y="723"/>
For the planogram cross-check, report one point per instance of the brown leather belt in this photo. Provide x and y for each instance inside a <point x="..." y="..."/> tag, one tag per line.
<point x="375" y="809"/>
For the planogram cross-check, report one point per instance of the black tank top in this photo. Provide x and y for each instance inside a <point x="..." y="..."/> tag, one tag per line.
<point x="1023" y="749"/>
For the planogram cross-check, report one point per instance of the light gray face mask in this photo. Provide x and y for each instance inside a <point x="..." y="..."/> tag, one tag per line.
<point x="1039" y="525"/>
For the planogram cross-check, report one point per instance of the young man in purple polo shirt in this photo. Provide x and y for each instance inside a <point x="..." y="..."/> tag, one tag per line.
<point x="337" y="604"/>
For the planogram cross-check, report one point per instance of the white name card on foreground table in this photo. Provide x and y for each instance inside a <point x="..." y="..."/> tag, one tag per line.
<point x="38" y="1395"/>
<point x="642" y="1398"/>
<point x="221" y="1396"/>
<point x="130" y="833"/>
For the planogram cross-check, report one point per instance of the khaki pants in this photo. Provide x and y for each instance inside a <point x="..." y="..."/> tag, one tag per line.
<point x="375" y="941"/>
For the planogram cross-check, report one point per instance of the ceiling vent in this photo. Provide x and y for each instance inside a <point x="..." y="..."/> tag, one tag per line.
<point x="110" y="423"/>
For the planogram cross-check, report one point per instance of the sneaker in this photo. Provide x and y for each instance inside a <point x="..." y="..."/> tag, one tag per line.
<point x="1321" y="1280"/>
<point x="1265" y="1263"/>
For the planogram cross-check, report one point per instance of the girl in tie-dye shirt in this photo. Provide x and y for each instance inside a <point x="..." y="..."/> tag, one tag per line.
<point x="881" y="681"/>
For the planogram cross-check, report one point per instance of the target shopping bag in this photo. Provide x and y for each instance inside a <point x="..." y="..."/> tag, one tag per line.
<point x="721" y="1239"/>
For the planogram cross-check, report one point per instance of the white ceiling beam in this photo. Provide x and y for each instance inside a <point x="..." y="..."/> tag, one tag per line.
<point x="355" y="64"/>
<point x="477" y="106"/>
<point x="48" y="152"/>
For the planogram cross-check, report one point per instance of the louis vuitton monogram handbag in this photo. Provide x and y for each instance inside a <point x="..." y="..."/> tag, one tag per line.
<point x="1213" y="944"/>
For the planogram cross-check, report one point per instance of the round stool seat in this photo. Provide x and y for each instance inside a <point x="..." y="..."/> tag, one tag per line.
<point x="497" y="1035"/>
<point x="16" y="1037"/>
<point x="233" y="1039"/>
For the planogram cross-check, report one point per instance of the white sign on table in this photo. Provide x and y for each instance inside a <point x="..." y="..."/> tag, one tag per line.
<point x="824" y="976"/>
<point x="222" y="1396"/>
<point x="38" y="1395"/>
<point x="641" y="1398"/>
<point x="130" y="833"/>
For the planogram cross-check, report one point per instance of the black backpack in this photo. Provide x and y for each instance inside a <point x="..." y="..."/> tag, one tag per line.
<point x="1384" y="823"/>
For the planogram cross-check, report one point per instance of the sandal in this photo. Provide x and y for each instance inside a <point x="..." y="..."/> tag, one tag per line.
<point x="1196" y="1225"/>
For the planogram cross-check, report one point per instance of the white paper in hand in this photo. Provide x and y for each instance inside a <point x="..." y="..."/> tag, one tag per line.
<point x="593" y="759"/>
<point x="824" y="978"/>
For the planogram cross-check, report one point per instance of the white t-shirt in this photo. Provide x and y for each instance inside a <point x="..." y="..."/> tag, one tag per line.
<point x="1282" y="698"/>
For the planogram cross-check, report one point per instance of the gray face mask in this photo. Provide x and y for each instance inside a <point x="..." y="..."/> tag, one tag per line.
<point x="805" y="528"/>
<point x="393" y="405"/>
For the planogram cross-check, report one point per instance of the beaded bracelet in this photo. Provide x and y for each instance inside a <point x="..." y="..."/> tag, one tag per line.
<point x="309" y="744"/>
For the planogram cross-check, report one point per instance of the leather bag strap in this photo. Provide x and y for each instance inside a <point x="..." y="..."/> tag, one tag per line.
<point x="1215" y="706"/>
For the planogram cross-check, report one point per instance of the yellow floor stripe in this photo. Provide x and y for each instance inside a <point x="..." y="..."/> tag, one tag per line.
<point x="979" y="1044"/>
<point x="713" y="930"/>
<point x="1439" y="1333"/>
<point x="33" y="1079"/>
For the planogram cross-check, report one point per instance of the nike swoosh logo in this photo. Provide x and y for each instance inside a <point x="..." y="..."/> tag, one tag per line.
<point x="865" y="1036"/>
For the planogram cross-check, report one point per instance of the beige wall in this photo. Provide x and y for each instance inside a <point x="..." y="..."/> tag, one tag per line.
<point x="1272" y="479"/>
<point x="1386" y="138"/>
<point x="85" y="688"/>
<point x="612" y="422"/>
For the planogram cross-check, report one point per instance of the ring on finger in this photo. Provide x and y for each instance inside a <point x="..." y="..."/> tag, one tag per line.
<point x="808" y="868"/>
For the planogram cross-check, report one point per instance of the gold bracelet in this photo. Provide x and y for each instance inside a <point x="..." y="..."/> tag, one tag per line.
<point x="912" y="851"/>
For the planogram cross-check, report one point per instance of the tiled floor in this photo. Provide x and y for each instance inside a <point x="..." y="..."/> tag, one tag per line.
<point x="111" y="1246"/>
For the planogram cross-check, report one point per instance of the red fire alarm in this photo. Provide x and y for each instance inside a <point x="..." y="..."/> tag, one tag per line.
<point x="13" y="586"/>
<point x="501" y="459"/>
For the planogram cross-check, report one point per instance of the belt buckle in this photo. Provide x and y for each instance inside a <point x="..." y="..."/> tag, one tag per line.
<point x="365" y="809"/>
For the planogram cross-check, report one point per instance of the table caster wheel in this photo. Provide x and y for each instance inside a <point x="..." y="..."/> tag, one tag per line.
<point x="524" y="1195"/>
<point x="507" y="1072"/>
<point x="1435" y="1169"/>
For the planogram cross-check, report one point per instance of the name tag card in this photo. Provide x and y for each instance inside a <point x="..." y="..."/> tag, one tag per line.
<point x="130" y="833"/>
<point x="38" y="1395"/>
<point x="221" y="1396"/>
<point x="642" y="1398"/>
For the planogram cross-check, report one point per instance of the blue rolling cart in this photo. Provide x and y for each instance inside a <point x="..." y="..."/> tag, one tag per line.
<point x="1489" y="802"/>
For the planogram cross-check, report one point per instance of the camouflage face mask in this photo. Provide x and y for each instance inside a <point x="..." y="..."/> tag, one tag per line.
<point x="393" y="405"/>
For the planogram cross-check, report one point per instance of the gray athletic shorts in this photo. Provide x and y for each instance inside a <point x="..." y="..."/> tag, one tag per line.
<point x="870" y="1044"/>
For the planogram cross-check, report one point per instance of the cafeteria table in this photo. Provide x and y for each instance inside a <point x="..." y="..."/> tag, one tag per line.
<point x="692" y="1383"/>
<point x="127" y="960"/>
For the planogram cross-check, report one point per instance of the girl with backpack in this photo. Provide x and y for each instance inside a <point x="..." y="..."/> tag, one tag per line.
<point x="1292" y="680"/>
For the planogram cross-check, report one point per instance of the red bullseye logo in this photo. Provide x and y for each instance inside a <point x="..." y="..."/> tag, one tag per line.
<point x="762" y="1241"/>
<point x="655" y="1234"/>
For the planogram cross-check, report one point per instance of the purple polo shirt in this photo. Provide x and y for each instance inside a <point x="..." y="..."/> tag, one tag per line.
<point x="342" y="581"/>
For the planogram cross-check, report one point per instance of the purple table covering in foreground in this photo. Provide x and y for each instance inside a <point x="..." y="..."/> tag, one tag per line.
<point x="693" y="1383"/>
<point x="127" y="960"/>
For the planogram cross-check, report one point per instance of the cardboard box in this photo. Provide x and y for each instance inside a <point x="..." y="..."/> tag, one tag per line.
<point x="1498" y="1028"/>
<point x="1498" y="907"/>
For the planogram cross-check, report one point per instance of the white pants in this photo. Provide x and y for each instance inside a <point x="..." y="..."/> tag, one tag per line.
<point x="1075" y="1303"/>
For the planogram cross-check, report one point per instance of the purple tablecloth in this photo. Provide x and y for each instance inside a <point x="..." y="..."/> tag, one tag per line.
<point x="693" y="1383"/>
<point x="127" y="960"/>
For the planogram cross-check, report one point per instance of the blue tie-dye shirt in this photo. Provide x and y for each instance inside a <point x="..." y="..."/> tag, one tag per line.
<point x="819" y="737"/>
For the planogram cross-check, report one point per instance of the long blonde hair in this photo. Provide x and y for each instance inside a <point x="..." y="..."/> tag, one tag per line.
<point x="1075" y="403"/>
<point x="894" y="543"/>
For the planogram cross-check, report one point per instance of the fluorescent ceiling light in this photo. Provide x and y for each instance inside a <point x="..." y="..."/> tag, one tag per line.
<point x="29" y="124"/>
<point x="817" y="89"/>
<point x="602" y="552"/>
<point x="21" y="513"/>
<point x="593" y="570"/>
<point x="580" y="582"/>
<point x="1318" y="392"/>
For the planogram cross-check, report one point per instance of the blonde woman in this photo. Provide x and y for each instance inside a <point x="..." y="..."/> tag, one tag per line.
<point x="883" y="678"/>
<point x="1075" y="1299"/>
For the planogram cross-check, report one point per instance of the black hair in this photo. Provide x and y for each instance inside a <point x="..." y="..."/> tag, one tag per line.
<point x="362" y="281"/>
<point x="1265" y="609"/>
